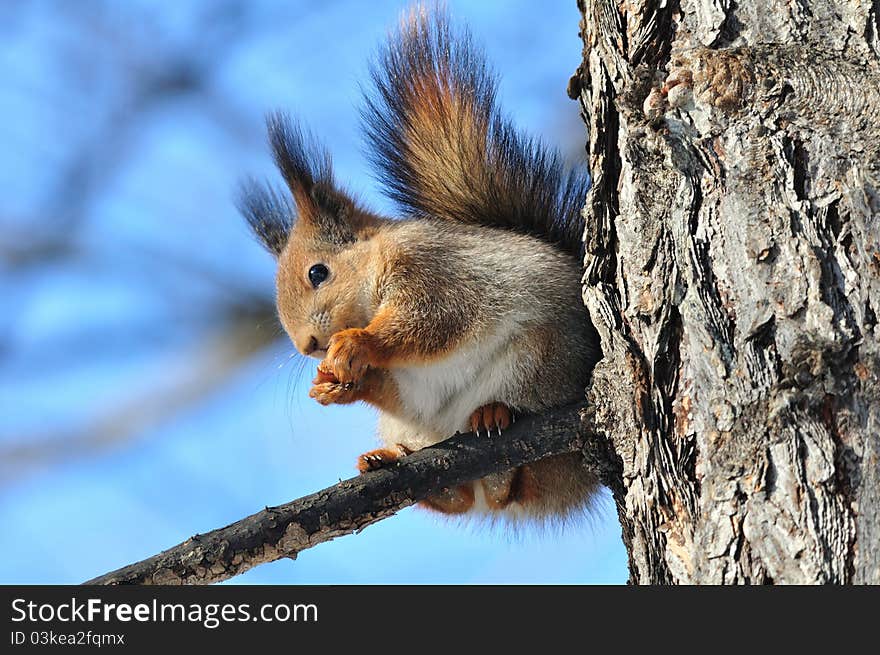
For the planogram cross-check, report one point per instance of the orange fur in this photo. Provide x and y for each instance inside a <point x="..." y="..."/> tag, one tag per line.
<point x="494" y="416"/>
<point x="350" y="353"/>
<point x="380" y="391"/>
<point x="497" y="488"/>
<point x="386" y="341"/>
<point x="380" y="458"/>
<point x="439" y="109"/>
<point x="451" y="501"/>
<point x="376" y="387"/>
<point x="517" y="485"/>
<point x="525" y="488"/>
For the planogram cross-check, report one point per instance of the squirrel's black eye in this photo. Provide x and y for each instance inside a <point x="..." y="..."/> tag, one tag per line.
<point x="317" y="274"/>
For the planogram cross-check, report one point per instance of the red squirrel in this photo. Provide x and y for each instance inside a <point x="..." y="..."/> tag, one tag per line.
<point x="465" y="311"/>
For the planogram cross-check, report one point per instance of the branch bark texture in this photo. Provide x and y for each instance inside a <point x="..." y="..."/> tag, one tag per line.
<point x="733" y="272"/>
<point x="352" y="505"/>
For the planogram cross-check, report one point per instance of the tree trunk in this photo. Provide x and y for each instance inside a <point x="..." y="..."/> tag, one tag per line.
<point x="733" y="270"/>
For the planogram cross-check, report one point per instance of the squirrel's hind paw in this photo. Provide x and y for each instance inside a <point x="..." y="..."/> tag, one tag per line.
<point x="376" y="459"/>
<point x="458" y="500"/>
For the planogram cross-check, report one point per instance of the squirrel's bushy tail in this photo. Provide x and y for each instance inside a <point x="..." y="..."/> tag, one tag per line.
<point x="443" y="149"/>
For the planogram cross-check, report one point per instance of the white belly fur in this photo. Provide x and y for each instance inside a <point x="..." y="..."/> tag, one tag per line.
<point x="439" y="398"/>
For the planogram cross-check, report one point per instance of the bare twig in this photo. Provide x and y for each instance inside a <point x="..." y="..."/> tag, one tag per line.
<point x="353" y="504"/>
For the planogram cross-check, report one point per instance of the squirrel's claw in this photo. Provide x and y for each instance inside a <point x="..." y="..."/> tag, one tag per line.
<point x="497" y="416"/>
<point x="376" y="459"/>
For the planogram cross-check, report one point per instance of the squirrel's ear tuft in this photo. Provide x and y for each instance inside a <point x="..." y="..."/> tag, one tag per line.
<point x="268" y="212"/>
<point x="302" y="160"/>
<point x="305" y="165"/>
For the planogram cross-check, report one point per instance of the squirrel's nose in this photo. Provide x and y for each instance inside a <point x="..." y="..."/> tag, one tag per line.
<point x="311" y="347"/>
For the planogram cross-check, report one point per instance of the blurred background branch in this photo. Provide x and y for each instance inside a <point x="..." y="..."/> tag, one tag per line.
<point x="105" y="77"/>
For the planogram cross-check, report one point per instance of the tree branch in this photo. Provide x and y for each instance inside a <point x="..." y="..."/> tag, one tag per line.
<point x="354" y="504"/>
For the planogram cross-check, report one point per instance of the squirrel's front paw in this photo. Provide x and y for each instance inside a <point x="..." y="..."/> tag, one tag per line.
<point x="329" y="393"/>
<point x="349" y="354"/>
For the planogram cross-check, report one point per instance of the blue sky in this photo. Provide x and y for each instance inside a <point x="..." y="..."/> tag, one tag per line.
<point x="127" y="423"/>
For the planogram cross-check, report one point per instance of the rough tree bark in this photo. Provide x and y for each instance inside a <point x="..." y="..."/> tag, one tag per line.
<point x="733" y="270"/>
